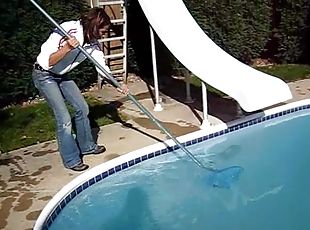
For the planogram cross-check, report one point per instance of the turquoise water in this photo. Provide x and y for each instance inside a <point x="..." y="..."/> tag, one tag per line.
<point x="170" y="192"/>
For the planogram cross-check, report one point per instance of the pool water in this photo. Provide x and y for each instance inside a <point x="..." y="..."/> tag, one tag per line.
<point x="171" y="192"/>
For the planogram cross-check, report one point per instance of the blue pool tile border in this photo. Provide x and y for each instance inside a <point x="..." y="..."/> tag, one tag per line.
<point x="62" y="204"/>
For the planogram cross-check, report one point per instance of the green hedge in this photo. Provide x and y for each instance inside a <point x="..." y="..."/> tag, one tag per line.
<point x="239" y="27"/>
<point x="293" y="31"/>
<point x="24" y="30"/>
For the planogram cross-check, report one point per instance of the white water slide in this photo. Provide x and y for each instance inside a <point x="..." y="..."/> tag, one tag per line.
<point x="175" y="26"/>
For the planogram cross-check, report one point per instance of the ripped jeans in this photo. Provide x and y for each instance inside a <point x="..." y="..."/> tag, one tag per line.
<point x="56" y="90"/>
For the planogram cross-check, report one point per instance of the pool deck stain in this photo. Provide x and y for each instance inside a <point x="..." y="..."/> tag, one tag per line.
<point x="30" y="177"/>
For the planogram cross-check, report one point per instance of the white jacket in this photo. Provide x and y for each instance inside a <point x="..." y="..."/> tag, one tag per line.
<point x="74" y="57"/>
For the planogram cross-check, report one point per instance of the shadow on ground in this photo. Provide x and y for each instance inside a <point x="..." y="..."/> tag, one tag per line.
<point x="110" y="110"/>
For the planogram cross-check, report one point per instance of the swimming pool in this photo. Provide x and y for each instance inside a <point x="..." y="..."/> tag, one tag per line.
<point x="170" y="192"/>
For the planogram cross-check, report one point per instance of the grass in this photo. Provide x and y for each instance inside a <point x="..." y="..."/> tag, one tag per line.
<point x="27" y="125"/>
<point x="287" y="72"/>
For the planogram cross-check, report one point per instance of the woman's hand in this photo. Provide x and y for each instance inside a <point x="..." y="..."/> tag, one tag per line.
<point x="72" y="43"/>
<point x="124" y="89"/>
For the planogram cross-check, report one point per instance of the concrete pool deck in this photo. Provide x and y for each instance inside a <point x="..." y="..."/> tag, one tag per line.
<point x="31" y="176"/>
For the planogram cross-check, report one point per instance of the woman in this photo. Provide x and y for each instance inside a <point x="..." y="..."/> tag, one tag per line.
<point x="58" y="56"/>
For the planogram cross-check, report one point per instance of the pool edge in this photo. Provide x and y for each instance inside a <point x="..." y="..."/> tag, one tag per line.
<point x="59" y="200"/>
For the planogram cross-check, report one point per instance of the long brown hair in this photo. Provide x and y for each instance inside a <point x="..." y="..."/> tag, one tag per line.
<point x="93" y="20"/>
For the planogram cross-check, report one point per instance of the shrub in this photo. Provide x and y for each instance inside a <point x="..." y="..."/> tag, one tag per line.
<point x="239" y="27"/>
<point x="293" y="31"/>
<point x="25" y="29"/>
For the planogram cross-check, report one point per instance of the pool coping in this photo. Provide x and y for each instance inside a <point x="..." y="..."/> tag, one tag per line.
<point x="99" y="172"/>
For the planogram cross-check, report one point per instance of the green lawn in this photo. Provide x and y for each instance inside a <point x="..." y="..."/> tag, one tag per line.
<point x="288" y="72"/>
<point x="24" y="126"/>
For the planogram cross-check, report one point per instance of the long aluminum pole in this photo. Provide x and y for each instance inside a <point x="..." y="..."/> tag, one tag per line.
<point x="138" y="104"/>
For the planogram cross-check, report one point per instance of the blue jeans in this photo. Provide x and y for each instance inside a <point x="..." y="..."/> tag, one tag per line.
<point x="56" y="90"/>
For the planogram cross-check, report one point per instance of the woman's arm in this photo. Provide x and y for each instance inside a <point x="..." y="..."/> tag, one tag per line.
<point x="53" y="44"/>
<point x="70" y="44"/>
